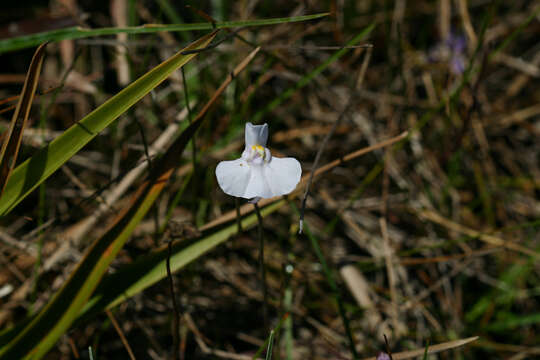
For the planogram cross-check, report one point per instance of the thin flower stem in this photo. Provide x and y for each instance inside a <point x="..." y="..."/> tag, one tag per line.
<point x="176" y="315"/>
<point x="262" y="269"/>
<point x="387" y="345"/>
<point x="238" y="215"/>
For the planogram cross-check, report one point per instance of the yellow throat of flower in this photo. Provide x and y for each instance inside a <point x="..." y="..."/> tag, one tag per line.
<point x="259" y="150"/>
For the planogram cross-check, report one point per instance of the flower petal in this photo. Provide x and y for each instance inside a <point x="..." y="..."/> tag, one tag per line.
<point x="258" y="184"/>
<point x="233" y="177"/>
<point x="283" y="174"/>
<point x="256" y="134"/>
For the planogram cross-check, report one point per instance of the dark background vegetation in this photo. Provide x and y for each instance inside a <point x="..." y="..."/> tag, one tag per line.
<point x="469" y="168"/>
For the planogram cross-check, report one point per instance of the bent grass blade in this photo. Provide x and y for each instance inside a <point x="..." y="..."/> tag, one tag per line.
<point x="21" y="42"/>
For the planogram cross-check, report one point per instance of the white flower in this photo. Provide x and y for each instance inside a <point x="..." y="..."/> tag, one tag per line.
<point x="257" y="174"/>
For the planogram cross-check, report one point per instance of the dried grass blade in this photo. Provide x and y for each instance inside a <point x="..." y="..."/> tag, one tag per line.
<point x="13" y="138"/>
<point x="488" y="239"/>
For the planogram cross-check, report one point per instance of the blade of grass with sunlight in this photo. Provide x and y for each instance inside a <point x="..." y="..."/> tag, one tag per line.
<point x="27" y="176"/>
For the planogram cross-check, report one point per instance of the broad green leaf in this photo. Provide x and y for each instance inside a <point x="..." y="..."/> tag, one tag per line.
<point x="57" y="316"/>
<point x="13" y="136"/>
<point x="27" y="176"/>
<point x="26" y="41"/>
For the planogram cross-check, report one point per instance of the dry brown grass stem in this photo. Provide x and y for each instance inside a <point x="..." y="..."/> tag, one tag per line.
<point x="489" y="239"/>
<point x="121" y="334"/>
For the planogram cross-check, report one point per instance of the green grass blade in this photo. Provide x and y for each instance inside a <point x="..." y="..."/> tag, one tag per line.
<point x="270" y="338"/>
<point x="426" y="351"/>
<point x="270" y="347"/>
<point x="27" y="176"/>
<point x="26" y="41"/>
<point x="512" y="279"/>
<point x="57" y="316"/>
<point x="512" y="321"/>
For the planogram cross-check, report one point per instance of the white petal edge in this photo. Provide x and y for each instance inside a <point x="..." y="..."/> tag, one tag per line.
<point x="256" y="134"/>
<point x="233" y="177"/>
<point x="282" y="175"/>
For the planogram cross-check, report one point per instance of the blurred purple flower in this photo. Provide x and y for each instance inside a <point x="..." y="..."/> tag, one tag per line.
<point x="453" y="51"/>
<point x="383" y="356"/>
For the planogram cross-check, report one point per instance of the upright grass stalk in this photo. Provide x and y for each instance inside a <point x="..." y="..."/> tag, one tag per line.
<point x="270" y="347"/>
<point x="426" y="351"/>
<point x="270" y="337"/>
